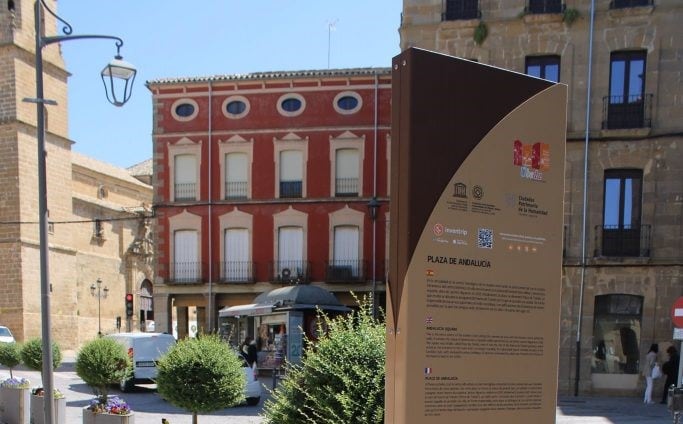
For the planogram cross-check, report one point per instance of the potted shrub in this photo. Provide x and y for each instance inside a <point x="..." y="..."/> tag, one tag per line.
<point x="32" y="356"/>
<point x="15" y="395"/>
<point x="100" y="363"/>
<point x="201" y="375"/>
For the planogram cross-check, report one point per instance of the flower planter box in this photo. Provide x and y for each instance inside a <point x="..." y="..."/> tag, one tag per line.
<point x="38" y="410"/>
<point x="15" y="405"/>
<point x="89" y="417"/>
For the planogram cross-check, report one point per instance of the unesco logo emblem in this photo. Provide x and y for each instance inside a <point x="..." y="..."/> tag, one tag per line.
<point x="477" y="192"/>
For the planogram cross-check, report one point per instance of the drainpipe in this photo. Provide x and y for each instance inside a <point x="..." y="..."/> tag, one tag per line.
<point x="585" y="200"/>
<point x="374" y="196"/>
<point x="209" y="309"/>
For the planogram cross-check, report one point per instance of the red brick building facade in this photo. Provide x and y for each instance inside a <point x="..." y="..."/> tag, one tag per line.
<point x="268" y="179"/>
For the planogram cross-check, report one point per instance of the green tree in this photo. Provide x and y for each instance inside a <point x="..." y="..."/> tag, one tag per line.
<point x="102" y="362"/>
<point x="32" y="354"/>
<point x="10" y="356"/>
<point x="201" y="375"/>
<point x="341" y="378"/>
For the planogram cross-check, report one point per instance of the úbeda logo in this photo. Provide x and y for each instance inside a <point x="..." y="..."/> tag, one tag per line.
<point x="438" y="229"/>
<point x="533" y="159"/>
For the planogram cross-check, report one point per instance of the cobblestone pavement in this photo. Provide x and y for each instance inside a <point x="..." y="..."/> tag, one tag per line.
<point x="150" y="408"/>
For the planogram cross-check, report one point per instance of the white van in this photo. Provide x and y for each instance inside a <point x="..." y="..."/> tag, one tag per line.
<point x="144" y="349"/>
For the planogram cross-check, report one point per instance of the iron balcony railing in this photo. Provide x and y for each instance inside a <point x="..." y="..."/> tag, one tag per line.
<point x="624" y="112"/>
<point x="185" y="191"/>
<point x="460" y="9"/>
<point x="614" y="241"/>
<point x="621" y="4"/>
<point x="338" y="271"/>
<point x="544" y="6"/>
<point x="289" y="272"/>
<point x="237" y="272"/>
<point x="290" y="189"/>
<point x="186" y="273"/>
<point x="235" y="190"/>
<point x="346" y="187"/>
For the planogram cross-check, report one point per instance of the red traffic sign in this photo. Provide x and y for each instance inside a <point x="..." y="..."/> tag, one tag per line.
<point x="677" y="313"/>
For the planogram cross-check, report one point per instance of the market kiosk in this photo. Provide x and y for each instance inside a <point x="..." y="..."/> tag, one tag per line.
<point x="278" y="320"/>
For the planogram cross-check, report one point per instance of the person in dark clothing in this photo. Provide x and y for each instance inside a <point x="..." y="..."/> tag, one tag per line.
<point x="670" y="368"/>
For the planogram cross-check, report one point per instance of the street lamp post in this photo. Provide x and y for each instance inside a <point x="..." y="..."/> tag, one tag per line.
<point x="97" y="291"/>
<point x="373" y="205"/>
<point x="117" y="72"/>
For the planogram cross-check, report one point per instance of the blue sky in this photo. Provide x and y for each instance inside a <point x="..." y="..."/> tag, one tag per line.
<point x="173" y="38"/>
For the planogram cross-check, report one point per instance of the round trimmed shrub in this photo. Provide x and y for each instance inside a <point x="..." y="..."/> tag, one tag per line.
<point x="201" y="375"/>
<point x="32" y="354"/>
<point x="340" y="379"/>
<point x="103" y="362"/>
<point x="10" y="356"/>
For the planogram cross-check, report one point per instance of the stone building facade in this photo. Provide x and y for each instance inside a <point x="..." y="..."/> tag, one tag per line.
<point x="264" y="180"/>
<point x="617" y="297"/>
<point x="98" y="212"/>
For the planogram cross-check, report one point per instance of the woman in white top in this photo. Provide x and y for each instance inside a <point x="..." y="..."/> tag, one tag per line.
<point x="650" y="360"/>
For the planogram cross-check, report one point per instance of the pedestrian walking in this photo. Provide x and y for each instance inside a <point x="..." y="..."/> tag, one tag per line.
<point x="670" y="368"/>
<point x="650" y="361"/>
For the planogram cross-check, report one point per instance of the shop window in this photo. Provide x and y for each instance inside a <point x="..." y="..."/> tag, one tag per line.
<point x="616" y="334"/>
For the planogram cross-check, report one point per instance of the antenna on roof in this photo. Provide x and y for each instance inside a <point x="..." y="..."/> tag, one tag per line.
<point x="331" y="26"/>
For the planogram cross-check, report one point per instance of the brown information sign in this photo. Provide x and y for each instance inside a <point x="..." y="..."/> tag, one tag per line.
<point x="477" y="188"/>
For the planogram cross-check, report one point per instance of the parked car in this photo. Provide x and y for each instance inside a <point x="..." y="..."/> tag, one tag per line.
<point x="252" y="390"/>
<point x="144" y="349"/>
<point x="6" y="335"/>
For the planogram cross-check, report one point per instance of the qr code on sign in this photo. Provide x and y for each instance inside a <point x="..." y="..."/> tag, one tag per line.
<point x="485" y="238"/>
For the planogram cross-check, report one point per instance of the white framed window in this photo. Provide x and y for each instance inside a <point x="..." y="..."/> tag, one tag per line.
<point x="290" y="252"/>
<point x="236" y="107"/>
<point x="347" y="102"/>
<point x="185" y="236"/>
<point x="185" y="184"/>
<point x="291" y="104"/>
<point x="184" y="110"/>
<point x="237" y="157"/>
<point x="290" y="247"/>
<point x="346" y="262"/>
<point x="291" y="174"/>
<point x="186" y="266"/>
<point x="236" y="181"/>
<point x="184" y="162"/>
<point x="237" y="266"/>
<point x="346" y="159"/>
<point x="290" y="167"/>
<point x="347" y="169"/>
<point x="236" y="250"/>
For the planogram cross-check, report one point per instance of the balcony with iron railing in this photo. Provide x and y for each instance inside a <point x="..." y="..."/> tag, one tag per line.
<point x="613" y="241"/>
<point x="235" y="190"/>
<point x="346" y="187"/>
<point x="289" y="272"/>
<point x="185" y="273"/>
<point x="460" y="10"/>
<point x="351" y="271"/>
<point x="622" y="4"/>
<point x="185" y="191"/>
<point x="544" y="6"/>
<point x="237" y="272"/>
<point x="291" y="189"/>
<point x="626" y="112"/>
